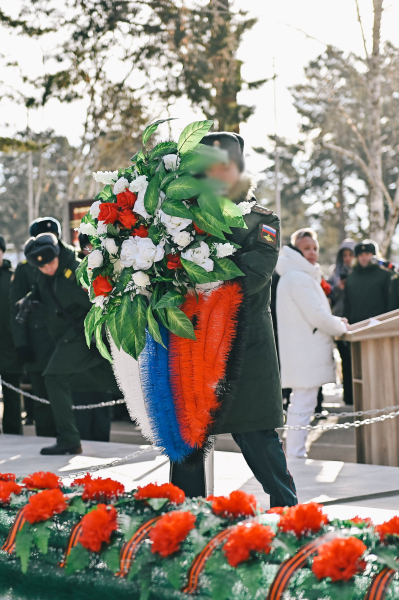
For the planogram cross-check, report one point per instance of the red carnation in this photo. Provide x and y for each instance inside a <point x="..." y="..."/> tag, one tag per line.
<point x="390" y="527"/>
<point x="102" y="286"/>
<point x="339" y="559"/>
<point x="198" y="230"/>
<point x="247" y="538"/>
<point x="102" y="489"/>
<point x="7" y="477"/>
<point x="6" y="489"/>
<point x="44" y="505"/>
<point x="174" y="261"/>
<point x="97" y="527"/>
<point x="82" y="480"/>
<point x="141" y="231"/>
<point x="302" y="519"/>
<point x="237" y="504"/>
<point x="360" y="521"/>
<point x="166" y="490"/>
<point x="108" y="213"/>
<point x="42" y="481"/>
<point x="127" y="218"/>
<point x="170" y="531"/>
<point x="126" y="199"/>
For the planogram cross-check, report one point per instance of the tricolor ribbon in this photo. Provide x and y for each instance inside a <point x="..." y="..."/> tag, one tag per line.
<point x="129" y="549"/>
<point x="9" y="544"/>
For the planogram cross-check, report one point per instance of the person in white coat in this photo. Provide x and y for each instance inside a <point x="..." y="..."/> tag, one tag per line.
<point x="306" y="330"/>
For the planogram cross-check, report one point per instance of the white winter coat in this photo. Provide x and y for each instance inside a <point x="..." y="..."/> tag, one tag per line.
<point x="305" y="324"/>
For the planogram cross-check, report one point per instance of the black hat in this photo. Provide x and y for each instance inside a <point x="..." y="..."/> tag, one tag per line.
<point x="83" y="240"/>
<point x="42" y="249"/>
<point x="2" y="244"/>
<point x="232" y="142"/>
<point x="366" y="246"/>
<point x="45" y="225"/>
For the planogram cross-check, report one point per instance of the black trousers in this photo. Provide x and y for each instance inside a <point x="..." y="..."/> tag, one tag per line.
<point x="264" y="454"/>
<point x="12" y="421"/>
<point x="42" y="414"/>
<point x="95" y="423"/>
<point x="344" y="349"/>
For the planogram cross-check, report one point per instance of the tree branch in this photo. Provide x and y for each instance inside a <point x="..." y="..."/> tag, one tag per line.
<point x="355" y="157"/>
<point x="361" y="28"/>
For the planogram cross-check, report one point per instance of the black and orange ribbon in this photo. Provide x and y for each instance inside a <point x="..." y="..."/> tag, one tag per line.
<point x="129" y="549"/>
<point x="290" y="566"/>
<point x="380" y="584"/>
<point x="9" y="544"/>
<point x="76" y="532"/>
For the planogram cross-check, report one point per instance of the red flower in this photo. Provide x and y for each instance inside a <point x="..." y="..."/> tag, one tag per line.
<point x="6" y="489"/>
<point x="198" y="230"/>
<point x="339" y="559"/>
<point x="390" y="527"/>
<point x="303" y="518"/>
<point x="127" y="218"/>
<point x="174" y="261"/>
<point x="102" y="489"/>
<point x="102" y="286"/>
<point x="7" y="477"/>
<point x="236" y="505"/>
<point x="326" y="287"/>
<point x="108" y="213"/>
<point x="44" y="505"/>
<point x="166" y="490"/>
<point x="82" y="480"/>
<point x="141" y="231"/>
<point x="42" y="481"/>
<point x="97" y="527"/>
<point x="170" y="531"/>
<point x="246" y="538"/>
<point x="126" y="199"/>
<point x="277" y="510"/>
<point x="360" y="521"/>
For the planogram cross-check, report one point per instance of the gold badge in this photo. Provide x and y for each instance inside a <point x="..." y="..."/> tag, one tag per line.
<point x="268" y="238"/>
<point x="39" y="258"/>
<point x="67" y="273"/>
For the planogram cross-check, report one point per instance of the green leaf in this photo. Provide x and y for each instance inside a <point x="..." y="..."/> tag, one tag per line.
<point x="162" y="149"/>
<point x="250" y="574"/>
<point x="169" y="177"/>
<point x="111" y="324"/>
<point x="171" y="298"/>
<point x="183" y="188"/>
<point x="160" y="315"/>
<point x="139" y="320"/>
<point x="151" y="197"/>
<point x="106" y="194"/>
<point x="23" y="544"/>
<point x="77" y="505"/>
<point x="215" y="563"/>
<point x="207" y="223"/>
<point x="226" y="269"/>
<point x="222" y="584"/>
<point x="173" y="570"/>
<point x="81" y="272"/>
<point x="78" y="559"/>
<point x="203" y="157"/>
<point x="209" y="523"/>
<point x="288" y="543"/>
<point x="176" y="208"/>
<point x="123" y="326"/>
<point x="209" y="203"/>
<point x="231" y="213"/>
<point x="111" y="557"/>
<point x="41" y="535"/>
<point x="148" y="131"/>
<point x="179" y="323"/>
<point x="112" y="230"/>
<point x="129" y="525"/>
<point x="90" y="322"/>
<point x="101" y="347"/>
<point x="157" y="503"/>
<point x="153" y="327"/>
<point x="191" y="135"/>
<point x="387" y="557"/>
<point x="196" y="273"/>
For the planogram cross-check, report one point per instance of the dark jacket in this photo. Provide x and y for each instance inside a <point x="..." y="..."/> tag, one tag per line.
<point x="367" y="293"/>
<point x="394" y="297"/>
<point x="257" y="402"/>
<point x="340" y="273"/>
<point x="8" y="357"/>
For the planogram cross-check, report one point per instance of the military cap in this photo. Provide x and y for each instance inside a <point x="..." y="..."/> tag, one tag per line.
<point x="42" y="249"/>
<point x="45" y="225"/>
<point x="366" y="246"/>
<point x="232" y="142"/>
<point x="83" y="240"/>
<point x="2" y="243"/>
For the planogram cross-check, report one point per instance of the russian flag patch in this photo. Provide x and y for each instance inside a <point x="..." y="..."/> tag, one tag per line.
<point x="267" y="234"/>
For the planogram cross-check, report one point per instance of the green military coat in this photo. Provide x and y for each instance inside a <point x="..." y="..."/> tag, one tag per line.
<point x="34" y="333"/>
<point x="367" y="293"/>
<point x="257" y="403"/>
<point x="8" y="356"/>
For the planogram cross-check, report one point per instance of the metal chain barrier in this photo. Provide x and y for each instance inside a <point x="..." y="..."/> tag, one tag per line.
<point x="346" y="425"/>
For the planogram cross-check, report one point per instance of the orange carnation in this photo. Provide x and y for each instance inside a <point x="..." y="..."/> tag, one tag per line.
<point x="44" y="505"/>
<point x="170" y="531"/>
<point x="247" y="538"/>
<point x="303" y="518"/>
<point x="42" y="481"/>
<point x="102" y="286"/>
<point x="339" y="559"/>
<point x="97" y="527"/>
<point x="6" y="489"/>
<point x="166" y="490"/>
<point x="237" y="504"/>
<point x="390" y="527"/>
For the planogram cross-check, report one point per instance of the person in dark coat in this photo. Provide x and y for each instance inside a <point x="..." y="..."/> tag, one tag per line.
<point x="257" y="408"/>
<point x="72" y="365"/>
<point x="367" y="287"/>
<point x="10" y="367"/>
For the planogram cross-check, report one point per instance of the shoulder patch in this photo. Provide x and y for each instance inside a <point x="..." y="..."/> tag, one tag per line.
<point x="267" y="234"/>
<point x="68" y="273"/>
<point x="24" y="262"/>
<point x="261" y="210"/>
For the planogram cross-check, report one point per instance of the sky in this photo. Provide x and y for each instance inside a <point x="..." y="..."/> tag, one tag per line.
<point x="273" y="38"/>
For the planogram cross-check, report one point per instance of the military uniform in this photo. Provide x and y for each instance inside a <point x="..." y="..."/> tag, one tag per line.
<point x="10" y="368"/>
<point x="367" y="293"/>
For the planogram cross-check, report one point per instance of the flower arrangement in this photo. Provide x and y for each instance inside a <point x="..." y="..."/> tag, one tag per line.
<point x="158" y="230"/>
<point x="236" y="504"/>
<point x="99" y="488"/>
<point x="303" y="519"/>
<point x="247" y="538"/>
<point x="165" y="490"/>
<point x="45" y="505"/>
<point x="42" y="481"/>
<point x="171" y="531"/>
<point x="339" y="559"/>
<point x="97" y="527"/>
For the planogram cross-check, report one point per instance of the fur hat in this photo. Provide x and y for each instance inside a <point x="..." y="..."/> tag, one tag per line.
<point x="45" y="225"/>
<point x="366" y="246"/>
<point x="42" y="249"/>
<point x="232" y="142"/>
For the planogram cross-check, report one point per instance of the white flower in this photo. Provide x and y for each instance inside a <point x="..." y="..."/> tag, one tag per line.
<point x="173" y="224"/>
<point x="106" y="177"/>
<point x="95" y="259"/>
<point x="139" y="207"/>
<point x="182" y="239"/>
<point x="223" y="250"/>
<point x="245" y="207"/>
<point x="95" y="209"/>
<point x="101" y="228"/>
<point x="99" y="301"/>
<point x="110" y="245"/>
<point x="140" y="253"/>
<point x="200" y="256"/>
<point x="139" y="184"/>
<point x="140" y="279"/>
<point x="118" y="267"/>
<point x="87" y="229"/>
<point x="121" y="185"/>
<point x="171" y="162"/>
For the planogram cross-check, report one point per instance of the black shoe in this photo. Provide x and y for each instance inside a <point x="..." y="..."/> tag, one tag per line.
<point x="61" y="449"/>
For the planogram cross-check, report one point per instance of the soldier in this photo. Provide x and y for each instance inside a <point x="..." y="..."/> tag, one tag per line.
<point x="257" y="409"/>
<point x="72" y="364"/>
<point x="10" y="368"/>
